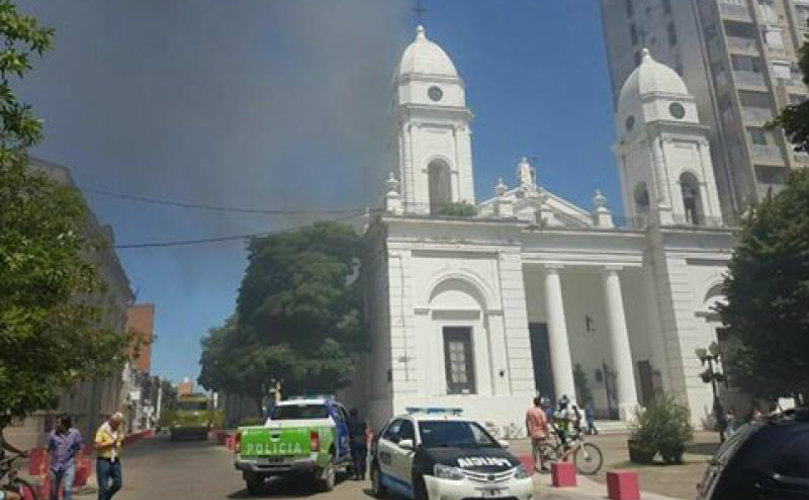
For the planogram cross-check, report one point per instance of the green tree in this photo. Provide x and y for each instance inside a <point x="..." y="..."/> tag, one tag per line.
<point x="767" y="291"/>
<point x="49" y="321"/>
<point x="461" y="209"/>
<point x="794" y="119"/>
<point x="298" y="319"/>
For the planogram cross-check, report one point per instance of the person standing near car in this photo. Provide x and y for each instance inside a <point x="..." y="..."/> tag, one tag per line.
<point x="536" y="424"/>
<point x="357" y="429"/>
<point x="64" y="443"/>
<point x="108" y="442"/>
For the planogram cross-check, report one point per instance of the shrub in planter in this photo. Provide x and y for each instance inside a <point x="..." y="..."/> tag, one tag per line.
<point x="663" y="426"/>
<point x="640" y="452"/>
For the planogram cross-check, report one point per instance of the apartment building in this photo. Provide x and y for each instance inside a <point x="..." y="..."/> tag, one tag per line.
<point x="89" y="401"/>
<point x="739" y="59"/>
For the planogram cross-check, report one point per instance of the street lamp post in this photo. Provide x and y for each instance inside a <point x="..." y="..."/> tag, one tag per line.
<point x="712" y="375"/>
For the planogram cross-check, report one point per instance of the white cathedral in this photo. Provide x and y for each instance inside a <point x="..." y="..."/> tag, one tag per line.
<point x="484" y="312"/>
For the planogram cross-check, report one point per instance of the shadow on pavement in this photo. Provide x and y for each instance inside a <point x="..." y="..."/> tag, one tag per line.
<point x="287" y="488"/>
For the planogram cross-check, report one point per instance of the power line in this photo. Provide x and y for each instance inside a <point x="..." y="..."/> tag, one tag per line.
<point x="215" y="208"/>
<point x="219" y="239"/>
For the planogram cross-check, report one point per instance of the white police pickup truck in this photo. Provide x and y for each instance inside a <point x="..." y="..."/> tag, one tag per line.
<point x="438" y="454"/>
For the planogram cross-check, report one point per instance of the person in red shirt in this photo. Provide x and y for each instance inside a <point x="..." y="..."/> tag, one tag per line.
<point x="536" y="423"/>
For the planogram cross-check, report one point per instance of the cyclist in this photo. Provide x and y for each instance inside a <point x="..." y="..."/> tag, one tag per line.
<point x="562" y="425"/>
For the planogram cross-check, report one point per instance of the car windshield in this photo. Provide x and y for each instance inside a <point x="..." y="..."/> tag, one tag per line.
<point x="192" y="405"/>
<point x="299" y="412"/>
<point x="442" y="433"/>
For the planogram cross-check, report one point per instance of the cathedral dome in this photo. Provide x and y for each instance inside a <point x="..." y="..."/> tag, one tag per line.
<point x="425" y="57"/>
<point x="651" y="77"/>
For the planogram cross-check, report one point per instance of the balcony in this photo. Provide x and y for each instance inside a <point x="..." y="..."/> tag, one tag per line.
<point x="801" y="157"/>
<point x="766" y="154"/>
<point x="734" y="11"/>
<point x="756" y="116"/>
<point x="740" y="44"/>
<point x="795" y="81"/>
<point x="749" y="79"/>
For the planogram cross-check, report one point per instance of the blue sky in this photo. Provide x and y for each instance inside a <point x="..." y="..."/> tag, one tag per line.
<point x="284" y="104"/>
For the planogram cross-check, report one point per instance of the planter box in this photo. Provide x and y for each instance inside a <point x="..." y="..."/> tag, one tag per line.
<point x="640" y="452"/>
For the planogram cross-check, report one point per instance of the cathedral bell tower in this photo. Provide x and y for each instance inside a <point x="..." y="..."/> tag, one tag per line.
<point x="433" y="153"/>
<point x="662" y="151"/>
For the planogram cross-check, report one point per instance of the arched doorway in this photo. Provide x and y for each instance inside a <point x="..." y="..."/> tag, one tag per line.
<point x="440" y="186"/>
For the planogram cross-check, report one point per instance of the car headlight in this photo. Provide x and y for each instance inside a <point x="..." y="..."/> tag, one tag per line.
<point x="520" y="472"/>
<point x="447" y="472"/>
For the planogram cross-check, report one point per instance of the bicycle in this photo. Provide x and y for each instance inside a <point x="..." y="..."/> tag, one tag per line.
<point x="587" y="456"/>
<point x="513" y="431"/>
<point x="14" y="482"/>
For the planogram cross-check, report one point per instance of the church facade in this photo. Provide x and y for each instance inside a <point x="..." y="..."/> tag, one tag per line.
<point x="484" y="312"/>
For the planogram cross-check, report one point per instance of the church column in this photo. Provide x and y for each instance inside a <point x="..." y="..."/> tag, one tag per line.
<point x="619" y="344"/>
<point x="557" y="335"/>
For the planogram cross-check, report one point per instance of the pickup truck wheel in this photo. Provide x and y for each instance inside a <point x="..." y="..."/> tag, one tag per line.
<point x="377" y="488"/>
<point x="255" y="484"/>
<point x="328" y="477"/>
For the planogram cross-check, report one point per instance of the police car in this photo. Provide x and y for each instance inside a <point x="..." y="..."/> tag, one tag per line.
<point x="438" y="454"/>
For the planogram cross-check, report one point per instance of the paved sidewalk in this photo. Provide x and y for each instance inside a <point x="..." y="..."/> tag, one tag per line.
<point x="658" y="481"/>
<point x="586" y="489"/>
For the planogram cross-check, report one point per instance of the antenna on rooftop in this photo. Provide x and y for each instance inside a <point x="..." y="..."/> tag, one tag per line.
<point x="419" y="11"/>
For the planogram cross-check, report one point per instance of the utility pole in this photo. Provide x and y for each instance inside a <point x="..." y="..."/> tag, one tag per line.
<point x="159" y="398"/>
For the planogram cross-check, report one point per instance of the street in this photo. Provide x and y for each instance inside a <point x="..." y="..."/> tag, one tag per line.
<point x="178" y="470"/>
<point x="167" y="470"/>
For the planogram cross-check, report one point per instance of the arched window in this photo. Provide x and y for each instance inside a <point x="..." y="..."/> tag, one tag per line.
<point x="440" y="187"/>
<point x="692" y="202"/>
<point x="641" y="195"/>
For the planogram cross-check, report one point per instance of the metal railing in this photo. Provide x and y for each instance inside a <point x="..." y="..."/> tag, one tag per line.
<point x="762" y="152"/>
<point x="735" y="10"/>
<point x="749" y="78"/>
<point x="740" y="43"/>
<point x="756" y="115"/>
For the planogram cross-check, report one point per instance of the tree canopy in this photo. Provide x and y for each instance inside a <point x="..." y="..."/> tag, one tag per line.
<point x="767" y="291"/>
<point x="298" y="319"/>
<point x="51" y="301"/>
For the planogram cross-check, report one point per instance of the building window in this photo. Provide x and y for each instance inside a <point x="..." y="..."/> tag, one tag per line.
<point x="746" y="63"/>
<point x="672" y="32"/>
<point x="750" y="99"/>
<point x="692" y="204"/>
<point x="782" y="70"/>
<point x="771" y="175"/>
<point x="802" y="11"/>
<point x="458" y="360"/>
<point x="440" y="186"/>
<point x="767" y="10"/>
<point x="633" y="34"/>
<point x="774" y="38"/>
<point x="795" y="99"/>
<point x="667" y="6"/>
<point x="641" y="195"/>
<point x="629" y="8"/>
<point x="757" y="136"/>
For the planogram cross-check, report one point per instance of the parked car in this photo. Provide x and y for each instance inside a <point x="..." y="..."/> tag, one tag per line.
<point x="767" y="458"/>
<point x="441" y="455"/>
<point x="302" y="436"/>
